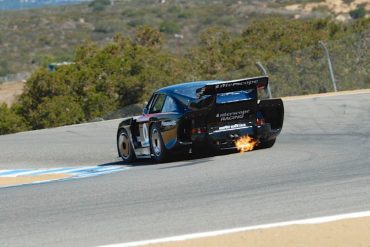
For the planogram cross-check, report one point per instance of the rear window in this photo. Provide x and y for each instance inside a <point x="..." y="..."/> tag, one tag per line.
<point x="169" y="105"/>
<point x="189" y="91"/>
<point x="230" y="97"/>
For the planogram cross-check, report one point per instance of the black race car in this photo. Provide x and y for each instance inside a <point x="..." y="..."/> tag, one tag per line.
<point x="198" y="115"/>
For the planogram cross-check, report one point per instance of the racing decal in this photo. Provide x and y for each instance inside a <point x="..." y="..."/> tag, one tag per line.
<point x="168" y="123"/>
<point x="229" y="116"/>
<point x="142" y="118"/>
<point x="146" y="117"/>
<point x="145" y="135"/>
<point x="237" y="84"/>
<point x="234" y="126"/>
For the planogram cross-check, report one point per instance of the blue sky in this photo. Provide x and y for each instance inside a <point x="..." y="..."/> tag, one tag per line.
<point x="23" y="4"/>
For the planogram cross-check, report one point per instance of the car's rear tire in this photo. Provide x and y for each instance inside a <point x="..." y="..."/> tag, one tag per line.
<point x="267" y="144"/>
<point x="157" y="147"/>
<point x="125" y="149"/>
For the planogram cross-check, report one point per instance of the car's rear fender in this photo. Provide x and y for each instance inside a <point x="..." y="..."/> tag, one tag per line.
<point x="273" y="112"/>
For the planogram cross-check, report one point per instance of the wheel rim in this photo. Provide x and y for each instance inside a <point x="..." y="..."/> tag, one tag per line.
<point x="124" y="145"/>
<point x="156" y="142"/>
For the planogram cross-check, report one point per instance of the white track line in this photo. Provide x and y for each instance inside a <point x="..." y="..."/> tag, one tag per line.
<point x="243" y="229"/>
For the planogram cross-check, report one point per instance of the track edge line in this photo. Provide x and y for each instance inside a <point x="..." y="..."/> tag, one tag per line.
<point x="317" y="220"/>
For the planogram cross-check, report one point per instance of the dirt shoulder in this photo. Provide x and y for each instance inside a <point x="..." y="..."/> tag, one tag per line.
<point x="348" y="232"/>
<point x="9" y="91"/>
<point x="12" y="181"/>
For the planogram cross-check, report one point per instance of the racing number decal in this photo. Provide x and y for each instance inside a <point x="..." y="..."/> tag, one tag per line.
<point x="145" y="133"/>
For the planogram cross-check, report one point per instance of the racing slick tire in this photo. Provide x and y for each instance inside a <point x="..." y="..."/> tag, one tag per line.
<point x="266" y="144"/>
<point x="157" y="147"/>
<point x="125" y="149"/>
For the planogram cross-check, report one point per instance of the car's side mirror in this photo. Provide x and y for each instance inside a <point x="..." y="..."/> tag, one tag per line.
<point x="145" y="110"/>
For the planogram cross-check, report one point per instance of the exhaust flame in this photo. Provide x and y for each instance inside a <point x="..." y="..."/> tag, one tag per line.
<point x="246" y="143"/>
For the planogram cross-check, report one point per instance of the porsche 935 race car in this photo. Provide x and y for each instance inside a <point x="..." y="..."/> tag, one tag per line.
<point x="198" y="115"/>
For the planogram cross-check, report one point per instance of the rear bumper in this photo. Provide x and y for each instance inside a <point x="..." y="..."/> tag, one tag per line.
<point x="225" y="139"/>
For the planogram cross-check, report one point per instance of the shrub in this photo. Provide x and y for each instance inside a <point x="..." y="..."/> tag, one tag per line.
<point x="10" y="122"/>
<point x="99" y="5"/>
<point x="359" y="12"/>
<point x="136" y="22"/>
<point x="148" y="36"/>
<point x="169" y="27"/>
<point x="185" y="15"/>
<point x="57" y="111"/>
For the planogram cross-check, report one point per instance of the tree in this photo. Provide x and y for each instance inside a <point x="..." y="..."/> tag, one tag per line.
<point x="10" y="122"/>
<point x="57" y="111"/>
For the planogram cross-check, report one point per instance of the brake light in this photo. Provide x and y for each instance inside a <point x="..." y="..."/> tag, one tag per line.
<point x="261" y="86"/>
<point x="260" y="121"/>
<point x="198" y="130"/>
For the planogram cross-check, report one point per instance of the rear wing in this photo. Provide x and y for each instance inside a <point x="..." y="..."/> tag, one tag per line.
<point x="231" y="86"/>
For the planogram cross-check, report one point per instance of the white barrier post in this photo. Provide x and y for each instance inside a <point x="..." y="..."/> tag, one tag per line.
<point x="330" y="65"/>
<point x="264" y="71"/>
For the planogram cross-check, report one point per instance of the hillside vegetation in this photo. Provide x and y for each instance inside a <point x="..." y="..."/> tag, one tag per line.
<point x="36" y="37"/>
<point x="127" y="69"/>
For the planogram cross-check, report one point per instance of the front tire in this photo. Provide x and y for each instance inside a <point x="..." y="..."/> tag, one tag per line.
<point x="125" y="149"/>
<point x="157" y="147"/>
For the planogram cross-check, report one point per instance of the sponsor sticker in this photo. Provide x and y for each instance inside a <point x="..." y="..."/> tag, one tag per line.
<point x="169" y="123"/>
<point x="237" y="84"/>
<point x="228" y="116"/>
<point x="234" y="126"/>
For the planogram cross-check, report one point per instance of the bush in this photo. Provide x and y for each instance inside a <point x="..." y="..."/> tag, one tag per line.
<point x="357" y="13"/>
<point x="136" y="22"/>
<point x="147" y="36"/>
<point x="185" y="15"/>
<point x="130" y="13"/>
<point x="10" y="122"/>
<point x="58" y="111"/>
<point x="99" y="5"/>
<point x="169" y="27"/>
<point x="4" y="68"/>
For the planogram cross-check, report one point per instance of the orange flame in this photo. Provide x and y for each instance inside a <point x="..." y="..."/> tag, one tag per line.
<point x="246" y="143"/>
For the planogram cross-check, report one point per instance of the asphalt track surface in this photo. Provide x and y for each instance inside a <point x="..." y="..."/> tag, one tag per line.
<point x="319" y="166"/>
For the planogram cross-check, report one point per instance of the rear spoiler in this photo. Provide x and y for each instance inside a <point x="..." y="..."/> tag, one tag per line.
<point x="231" y="86"/>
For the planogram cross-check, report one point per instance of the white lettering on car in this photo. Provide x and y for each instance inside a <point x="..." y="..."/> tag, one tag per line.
<point x="169" y="123"/>
<point x="234" y="126"/>
<point x="237" y="84"/>
<point x="228" y="116"/>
